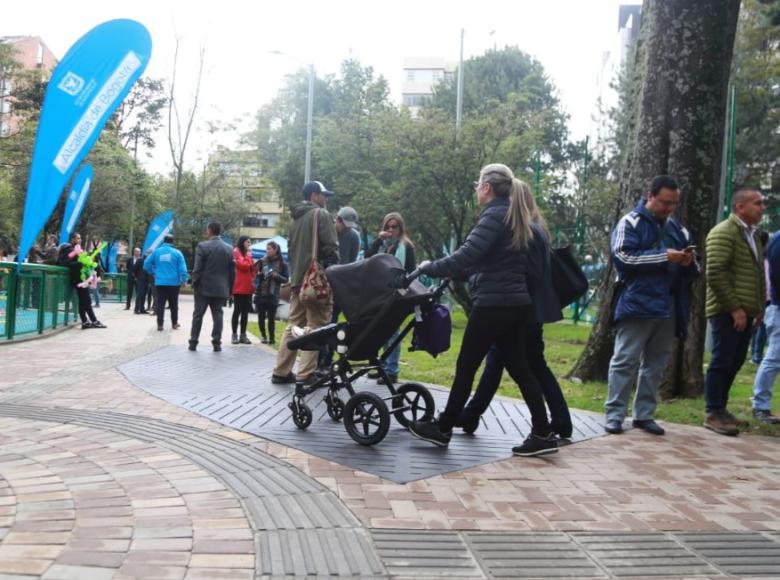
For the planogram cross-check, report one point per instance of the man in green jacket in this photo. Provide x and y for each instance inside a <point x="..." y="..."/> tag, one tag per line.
<point x="735" y="301"/>
<point x="306" y="314"/>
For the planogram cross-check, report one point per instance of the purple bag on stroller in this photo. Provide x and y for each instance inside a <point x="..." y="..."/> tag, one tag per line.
<point x="432" y="333"/>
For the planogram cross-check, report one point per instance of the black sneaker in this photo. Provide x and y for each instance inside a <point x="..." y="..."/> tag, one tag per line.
<point x="217" y="346"/>
<point x="192" y="345"/>
<point x="98" y="324"/>
<point x="393" y="379"/>
<point x="287" y="380"/>
<point x="535" y="445"/>
<point x="85" y="325"/>
<point x="429" y="431"/>
<point x="765" y="416"/>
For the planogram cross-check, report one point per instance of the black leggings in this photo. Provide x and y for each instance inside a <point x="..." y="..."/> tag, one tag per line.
<point x="506" y="327"/>
<point x="267" y="311"/>
<point x="85" y="305"/>
<point x="242" y="306"/>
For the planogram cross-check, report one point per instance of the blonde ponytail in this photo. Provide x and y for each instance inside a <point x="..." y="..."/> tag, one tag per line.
<point x="518" y="217"/>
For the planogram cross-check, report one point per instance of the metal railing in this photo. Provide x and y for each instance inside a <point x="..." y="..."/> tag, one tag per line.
<point x="34" y="299"/>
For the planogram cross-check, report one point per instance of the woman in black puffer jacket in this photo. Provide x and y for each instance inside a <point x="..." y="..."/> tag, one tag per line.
<point x="495" y="257"/>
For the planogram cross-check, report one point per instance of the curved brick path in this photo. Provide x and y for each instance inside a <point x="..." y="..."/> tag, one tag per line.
<point x="100" y="480"/>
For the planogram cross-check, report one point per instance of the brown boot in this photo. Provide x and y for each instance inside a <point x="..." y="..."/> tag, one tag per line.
<point x="715" y="421"/>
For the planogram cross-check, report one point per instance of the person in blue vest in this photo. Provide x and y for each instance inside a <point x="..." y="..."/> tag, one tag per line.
<point x="169" y="269"/>
<point x="656" y="263"/>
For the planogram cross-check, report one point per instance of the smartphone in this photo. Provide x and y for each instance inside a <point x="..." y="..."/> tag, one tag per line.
<point x="690" y="249"/>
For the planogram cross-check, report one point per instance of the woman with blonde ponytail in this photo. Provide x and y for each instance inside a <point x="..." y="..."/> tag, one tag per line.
<point x="495" y="258"/>
<point x="546" y="309"/>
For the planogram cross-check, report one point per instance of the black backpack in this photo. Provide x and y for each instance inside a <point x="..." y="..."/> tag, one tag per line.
<point x="62" y="255"/>
<point x="568" y="278"/>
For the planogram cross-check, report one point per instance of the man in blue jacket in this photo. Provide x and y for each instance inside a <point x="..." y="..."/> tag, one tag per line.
<point x="169" y="269"/>
<point x="770" y="364"/>
<point x="655" y="263"/>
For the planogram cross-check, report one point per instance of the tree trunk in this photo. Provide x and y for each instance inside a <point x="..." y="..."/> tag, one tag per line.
<point x="678" y="103"/>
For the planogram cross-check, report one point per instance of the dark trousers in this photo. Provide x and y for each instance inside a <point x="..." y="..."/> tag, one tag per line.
<point x="729" y="348"/>
<point x="130" y="287"/>
<point x="85" y="305"/>
<point x="506" y="327"/>
<point x="140" y="296"/>
<point x="551" y="389"/>
<point x="242" y="306"/>
<point x="202" y="303"/>
<point x="267" y="312"/>
<point x="169" y="294"/>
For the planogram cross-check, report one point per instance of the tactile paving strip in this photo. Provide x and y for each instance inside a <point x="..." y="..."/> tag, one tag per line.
<point x="738" y="554"/>
<point x="234" y="388"/>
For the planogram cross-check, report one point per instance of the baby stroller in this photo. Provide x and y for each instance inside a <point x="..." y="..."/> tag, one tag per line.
<point x="376" y="296"/>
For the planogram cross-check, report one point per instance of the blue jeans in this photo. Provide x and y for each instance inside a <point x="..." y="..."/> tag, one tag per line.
<point x="729" y="348"/>
<point x="757" y="343"/>
<point x="391" y="362"/>
<point x="770" y="364"/>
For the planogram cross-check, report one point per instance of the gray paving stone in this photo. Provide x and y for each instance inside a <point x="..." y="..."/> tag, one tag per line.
<point x="320" y="553"/>
<point x="428" y="554"/>
<point x="747" y="554"/>
<point x="531" y="555"/>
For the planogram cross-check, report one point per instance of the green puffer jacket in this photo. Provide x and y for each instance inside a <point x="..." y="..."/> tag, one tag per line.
<point x="735" y="279"/>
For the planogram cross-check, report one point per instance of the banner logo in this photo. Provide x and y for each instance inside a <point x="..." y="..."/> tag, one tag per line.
<point x="71" y="83"/>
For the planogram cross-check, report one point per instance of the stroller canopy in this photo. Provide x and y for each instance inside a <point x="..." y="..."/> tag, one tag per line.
<point x="362" y="288"/>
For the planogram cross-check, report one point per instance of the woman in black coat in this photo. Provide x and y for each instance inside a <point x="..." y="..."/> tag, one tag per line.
<point x="272" y="272"/>
<point x="495" y="255"/>
<point x="546" y="309"/>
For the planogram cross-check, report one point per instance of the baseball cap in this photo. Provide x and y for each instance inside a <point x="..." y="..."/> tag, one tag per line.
<point x="315" y="187"/>
<point x="349" y="216"/>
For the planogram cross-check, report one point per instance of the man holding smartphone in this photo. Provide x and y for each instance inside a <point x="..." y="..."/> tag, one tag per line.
<point x="655" y="263"/>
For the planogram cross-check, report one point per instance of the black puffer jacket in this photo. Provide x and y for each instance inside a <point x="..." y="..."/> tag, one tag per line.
<point x="497" y="274"/>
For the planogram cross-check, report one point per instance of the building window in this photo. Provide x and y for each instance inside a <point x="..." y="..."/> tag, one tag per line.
<point x="40" y="55"/>
<point x="414" y="100"/>
<point x="410" y="76"/>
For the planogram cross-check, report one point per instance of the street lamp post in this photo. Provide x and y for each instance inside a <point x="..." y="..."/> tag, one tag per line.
<point x="309" y="115"/>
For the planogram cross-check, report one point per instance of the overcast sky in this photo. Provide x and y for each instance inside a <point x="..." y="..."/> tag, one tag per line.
<point x="567" y="36"/>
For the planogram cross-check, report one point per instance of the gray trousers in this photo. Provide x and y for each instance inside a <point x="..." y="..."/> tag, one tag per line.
<point x="642" y="345"/>
<point x="202" y="303"/>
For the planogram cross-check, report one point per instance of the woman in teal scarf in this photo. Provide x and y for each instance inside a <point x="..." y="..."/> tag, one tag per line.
<point x="392" y="239"/>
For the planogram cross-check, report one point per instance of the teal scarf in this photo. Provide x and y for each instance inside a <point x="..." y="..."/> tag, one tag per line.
<point x="399" y="251"/>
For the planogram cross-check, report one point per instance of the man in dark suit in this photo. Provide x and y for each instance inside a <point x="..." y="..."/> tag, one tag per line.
<point x="131" y="281"/>
<point x="212" y="280"/>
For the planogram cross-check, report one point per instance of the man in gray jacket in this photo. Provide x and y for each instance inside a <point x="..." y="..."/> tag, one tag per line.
<point x="212" y="279"/>
<point x="306" y="314"/>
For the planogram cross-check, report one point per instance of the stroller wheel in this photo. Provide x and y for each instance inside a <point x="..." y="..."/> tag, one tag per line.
<point x="301" y="414"/>
<point x="366" y="418"/>
<point x="413" y="402"/>
<point x="335" y="406"/>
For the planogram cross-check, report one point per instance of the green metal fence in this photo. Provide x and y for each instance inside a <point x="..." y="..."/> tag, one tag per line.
<point x="34" y="299"/>
<point x="38" y="298"/>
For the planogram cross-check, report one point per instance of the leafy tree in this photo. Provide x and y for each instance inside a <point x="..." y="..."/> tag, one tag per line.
<point x="140" y="115"/>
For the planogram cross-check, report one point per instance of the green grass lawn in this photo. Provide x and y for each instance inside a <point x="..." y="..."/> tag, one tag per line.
<point x="564" y="342"/>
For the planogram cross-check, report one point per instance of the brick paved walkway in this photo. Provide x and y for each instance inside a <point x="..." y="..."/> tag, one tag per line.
<point x="100" y="480"/>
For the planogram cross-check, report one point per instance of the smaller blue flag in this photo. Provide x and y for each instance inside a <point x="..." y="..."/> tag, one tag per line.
<point x="160" y="227"/>
<point x="77" y="201"/>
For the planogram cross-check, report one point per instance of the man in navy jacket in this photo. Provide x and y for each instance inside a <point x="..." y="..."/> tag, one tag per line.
<point x="655" y="263"/>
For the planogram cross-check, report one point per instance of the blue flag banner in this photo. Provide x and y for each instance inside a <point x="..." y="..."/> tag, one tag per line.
<point x="77" y="200"/>
<point x="108" y="257"/>
<point x="86" y="87"/>
<point x="112" y="269"/>
<point x="160" y="227"/>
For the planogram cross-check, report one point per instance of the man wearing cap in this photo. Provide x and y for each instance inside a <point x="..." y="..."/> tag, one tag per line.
<point x="306" y="314"/>
<point x="349" y="238"/>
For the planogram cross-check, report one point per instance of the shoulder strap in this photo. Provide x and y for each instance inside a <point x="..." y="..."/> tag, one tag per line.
<point x="314" y="240"/>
